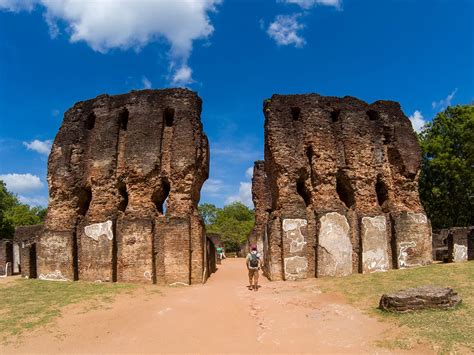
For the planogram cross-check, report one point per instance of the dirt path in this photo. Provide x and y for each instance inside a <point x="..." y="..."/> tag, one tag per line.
<point x="221" y="316"/>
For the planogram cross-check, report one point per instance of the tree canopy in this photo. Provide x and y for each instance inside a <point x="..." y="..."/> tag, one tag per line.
<point x="447" y="173"/>
<point x="13" y="213"/>
<point x="233" y="223"/>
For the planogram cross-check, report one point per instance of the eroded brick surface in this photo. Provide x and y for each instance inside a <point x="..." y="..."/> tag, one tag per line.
<point x="334" y="162"/>
<point x="125" y="174"/>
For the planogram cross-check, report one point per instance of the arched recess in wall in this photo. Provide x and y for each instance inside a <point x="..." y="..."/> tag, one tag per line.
<point x="168" y="117"/>
<point x="303" y="191"/>
<point x="160" y="196"/>
<point x="381" y="190"/>
<point x="123" y="119"/>
<point x="345" y="190"/>
<point x="84" y="198"/>
<point x="90" y="121"/>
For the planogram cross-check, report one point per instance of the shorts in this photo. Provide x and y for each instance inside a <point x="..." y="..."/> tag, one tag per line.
<point x="253" y="273"/>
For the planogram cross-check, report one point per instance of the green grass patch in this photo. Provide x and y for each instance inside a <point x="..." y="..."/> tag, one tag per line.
<point x="28" y="304"/>
<point x="447" y="331"/>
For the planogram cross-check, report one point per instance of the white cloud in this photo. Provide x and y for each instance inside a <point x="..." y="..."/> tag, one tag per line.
<point x="212" y="186"/>
<point x="34" y="201"/>
<point x="417" y="121"/>
<point x="18" y="5"/>
<point x="442" y="104"/>
<point x="129" y="24"/>
<point x="307" y="4"/>
<point x="21" y="183"/>
<point x="249" y="172"/>
<point x="146" y="82"/>
<point x="42" y="147"/>
<point x="182" y="76"/>
<point x="284" y="30"/>
<point x="244" y="196"/>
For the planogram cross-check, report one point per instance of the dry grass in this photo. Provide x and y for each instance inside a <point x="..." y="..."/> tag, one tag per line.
<point x="28" y="304"/>
<point x="447" y="331"/>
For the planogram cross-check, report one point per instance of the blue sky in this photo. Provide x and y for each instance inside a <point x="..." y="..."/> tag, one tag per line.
<point x="234" y="53"/>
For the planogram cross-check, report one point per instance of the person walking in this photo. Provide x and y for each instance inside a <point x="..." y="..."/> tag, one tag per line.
<point x="253" y="265"/>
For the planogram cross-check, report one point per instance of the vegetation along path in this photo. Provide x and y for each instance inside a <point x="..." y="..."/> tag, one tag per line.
<point x="221" y="316"/>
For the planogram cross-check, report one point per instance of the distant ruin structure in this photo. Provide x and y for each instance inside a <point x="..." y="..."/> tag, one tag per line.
<point x="125" y="174"/>
<point x="453" y="245"/>
<point x="342" y="176"/>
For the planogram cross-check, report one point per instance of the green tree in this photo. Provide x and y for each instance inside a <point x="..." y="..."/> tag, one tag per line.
<point x="233" y="223"/>
<point x="13" y="213"/>
<point x="447" y="173"/>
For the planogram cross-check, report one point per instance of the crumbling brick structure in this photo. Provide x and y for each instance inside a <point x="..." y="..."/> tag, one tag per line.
<point x="27" y="237"/>
<point x="343" y="180"/>
<point x="125" y="174"/>
<point x="262" y="201"/>
<point x="453" y="244"/>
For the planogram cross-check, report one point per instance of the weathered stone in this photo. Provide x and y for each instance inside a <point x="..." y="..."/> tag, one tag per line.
<point x="328" y="155"/>
<point x="334" y="246"/>
<point x="458" y="244"/>
<point x="412" y="240"/>
<point x="27" y="238"/>
<point x="294" y="245"/>
<point x="125" y="174"/>
<point x="425" y="297"/>
<point x="374" y="244"/>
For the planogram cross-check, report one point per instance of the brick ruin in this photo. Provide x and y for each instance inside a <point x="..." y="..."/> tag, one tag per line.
<point x="343" y="180"/>
<point x="125" y="174"/>
<point x="453" y="244"/>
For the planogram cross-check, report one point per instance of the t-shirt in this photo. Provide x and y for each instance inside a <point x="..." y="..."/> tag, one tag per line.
<point x="249" y="256"/>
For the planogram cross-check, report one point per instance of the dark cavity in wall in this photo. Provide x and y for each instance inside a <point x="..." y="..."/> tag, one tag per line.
<point x="335" y="115"/>
<point x="75" y="255"/>
<point x="344" y="190"/>
<point x="122" y="188"/>
<point x="168" y="116"/>
<point x="382" y="193"/>
<point x="160" y="196"/>
<point x="90" y="121"/>
<point x="123" y="119"/>
<point x="32" y="274"/>
<point x="303" y="191"/>
<point x="84" y="198"/>
<point x="309" y="155"/>
<point x="295" y="113"/>
<point x="373" y="115"/>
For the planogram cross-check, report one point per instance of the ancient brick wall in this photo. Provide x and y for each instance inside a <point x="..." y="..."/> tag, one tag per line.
<point x="262" y="201"/>
<point x="343" y="180"/>
<point x="125" y="174"/>
<point x="27" y="238"/>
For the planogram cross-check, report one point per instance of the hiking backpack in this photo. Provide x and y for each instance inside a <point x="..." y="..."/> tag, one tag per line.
<point x="253" y="260"/>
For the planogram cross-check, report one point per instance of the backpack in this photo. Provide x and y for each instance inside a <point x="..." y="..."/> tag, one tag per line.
<point x="253" y="260"/>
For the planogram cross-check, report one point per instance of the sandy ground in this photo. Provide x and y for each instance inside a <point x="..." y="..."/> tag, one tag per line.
<point x="223" y="316"/>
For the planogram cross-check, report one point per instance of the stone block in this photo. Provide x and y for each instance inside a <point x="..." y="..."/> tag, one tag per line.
<point x="374" y="244"/>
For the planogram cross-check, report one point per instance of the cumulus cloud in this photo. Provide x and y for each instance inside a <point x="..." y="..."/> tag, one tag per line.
<point x="249" y="172"/>
<point x="146" y="82"/>
<point x="34" y="201"/>
<point x="213" y="186"/>
<point x="129" y="24"/>
<point x="307" y="4"/>
<point x="442" y="104"/>
<point x="182" y="76"/>
<point x="284" y="30"/>
<point x="42" y="147"/>
<point x="244" y="196"/>
<point x="417" y="121"/>
<point x="21" y="183"/>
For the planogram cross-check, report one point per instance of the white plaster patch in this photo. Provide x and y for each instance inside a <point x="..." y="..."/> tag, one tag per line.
<point x="295" y="267"/>
<point x="403" y="255"/>
<point x="374" y="244"/>
<point x="292" y="229"/>
<point x="459" y="253"/>
<point x="5" y="272"/>
<point x="96" y="230"/>
<point x="335" y="241"/>
<point x="16" y="258"/>
<point x="147" y="275"/>
<point x="53" y="276"/>
<point x="418" y="217"/>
